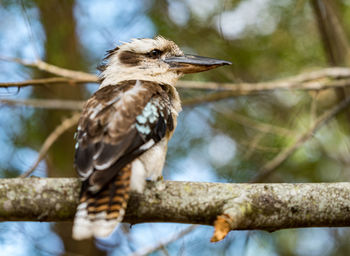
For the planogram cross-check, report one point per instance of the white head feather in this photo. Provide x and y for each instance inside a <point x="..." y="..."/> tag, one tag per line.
<point x="131" y="61"/>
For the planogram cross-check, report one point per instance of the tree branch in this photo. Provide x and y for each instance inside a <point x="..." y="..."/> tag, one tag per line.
<point x="45" y="103"/>
<point x="321" y="79"/>
<point x="251" y="206"/>
<point x="45" y="81"/>
<point x="55" y="70"/>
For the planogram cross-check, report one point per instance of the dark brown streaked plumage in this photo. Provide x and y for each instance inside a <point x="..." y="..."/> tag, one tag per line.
<point x="112" y="140"/>
<point x="130" y="58"/>
<point x="110" y="199"/>
<point x="108" y="140"/>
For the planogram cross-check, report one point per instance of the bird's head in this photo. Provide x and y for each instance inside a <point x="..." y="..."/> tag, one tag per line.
<point x="158" y="60"/>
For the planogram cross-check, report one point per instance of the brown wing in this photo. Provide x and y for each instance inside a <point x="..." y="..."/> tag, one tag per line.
<point x="118" y="124"/>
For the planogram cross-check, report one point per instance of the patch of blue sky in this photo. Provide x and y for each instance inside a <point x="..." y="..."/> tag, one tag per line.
<point x="192" y="123"/>
<point x="264" y="18"/>
<point x="23" y="238"/>
<point x="26" y="43"/>
<point x="197" y="243"/>
<point x="260" y="243"/>
<point x="315" y="241"/>
<point x="6" y="152"/>
<point x="28" y="38"/>
<point x="10" y="242"/>
<point x="221" y="149"/>
<point x="13" y="92"/>
<point x="178" y="12"/>
<point x="194" y="167"/>
<point x="193" y="243"/>
<point x="11" y="124"/>
<point x="157" y="233"/>
<point x="199" y="118"/>
<point x="10" y="127"/>
<point x="101" y="25"/>
<point x="91" y="87"/>
<point x="45" y="240"/>
<point x="24" y="159"/>
<point x="204" y="9"/>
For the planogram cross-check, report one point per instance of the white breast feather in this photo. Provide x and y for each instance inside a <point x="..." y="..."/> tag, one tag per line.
<point x="149" y="165"/>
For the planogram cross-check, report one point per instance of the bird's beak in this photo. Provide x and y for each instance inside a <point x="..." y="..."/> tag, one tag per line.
<point x="192" y="64"/>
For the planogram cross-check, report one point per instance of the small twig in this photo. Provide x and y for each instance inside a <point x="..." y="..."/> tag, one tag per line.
<point x="221" y="228"/>
<point x="248" y="144"/>
<point x="64" y="126"/>
<point x="164" y="251"/>
<point x="253" y="145"/>
<point x="254" y="124"/>
<point x="313" y="107"/>
<point x="46" y="104"/>
<point x="271" y="166"/>
<point x="154" y="248"/>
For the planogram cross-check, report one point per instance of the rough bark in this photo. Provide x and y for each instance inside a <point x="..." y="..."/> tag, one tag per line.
<point x="250" y="206"/>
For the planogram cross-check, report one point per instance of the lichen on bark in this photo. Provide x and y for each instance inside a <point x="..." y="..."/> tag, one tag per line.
<point x="250" y="206"/>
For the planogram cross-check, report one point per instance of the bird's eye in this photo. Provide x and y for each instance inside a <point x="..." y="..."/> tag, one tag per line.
<point x="154" y="53"/>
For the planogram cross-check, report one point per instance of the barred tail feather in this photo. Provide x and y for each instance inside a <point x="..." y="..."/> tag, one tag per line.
<point x="100" y="213"/>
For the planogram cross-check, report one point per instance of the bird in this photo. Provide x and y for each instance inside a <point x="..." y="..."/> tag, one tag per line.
<point x="124" y="128"/>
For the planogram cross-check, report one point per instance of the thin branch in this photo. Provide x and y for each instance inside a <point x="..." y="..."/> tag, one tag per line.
<point x="333" y="35"/>
<point x="207" y="98"/>
<point x="46" y="104"/>
<point x="271" y="166"/>
<point x="63" y="72"/>
<point x="159" y="246"/>
<point x="245" y="89"/>
<point x="251" y="206"/>
<point x="248" y="145"/>
<point x="254" y="124"/>
<point x="253" y="145"/>
<point x="52" y="69"/>
<point x="64" y="126"/>
<point x="315" y="80"/>
<point x="45" y="81"/>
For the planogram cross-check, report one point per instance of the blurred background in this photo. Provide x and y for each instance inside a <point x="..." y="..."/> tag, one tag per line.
<point x="221" y="141"/>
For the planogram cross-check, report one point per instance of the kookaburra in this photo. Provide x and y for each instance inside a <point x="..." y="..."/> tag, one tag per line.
<point x="125" y="127"/>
